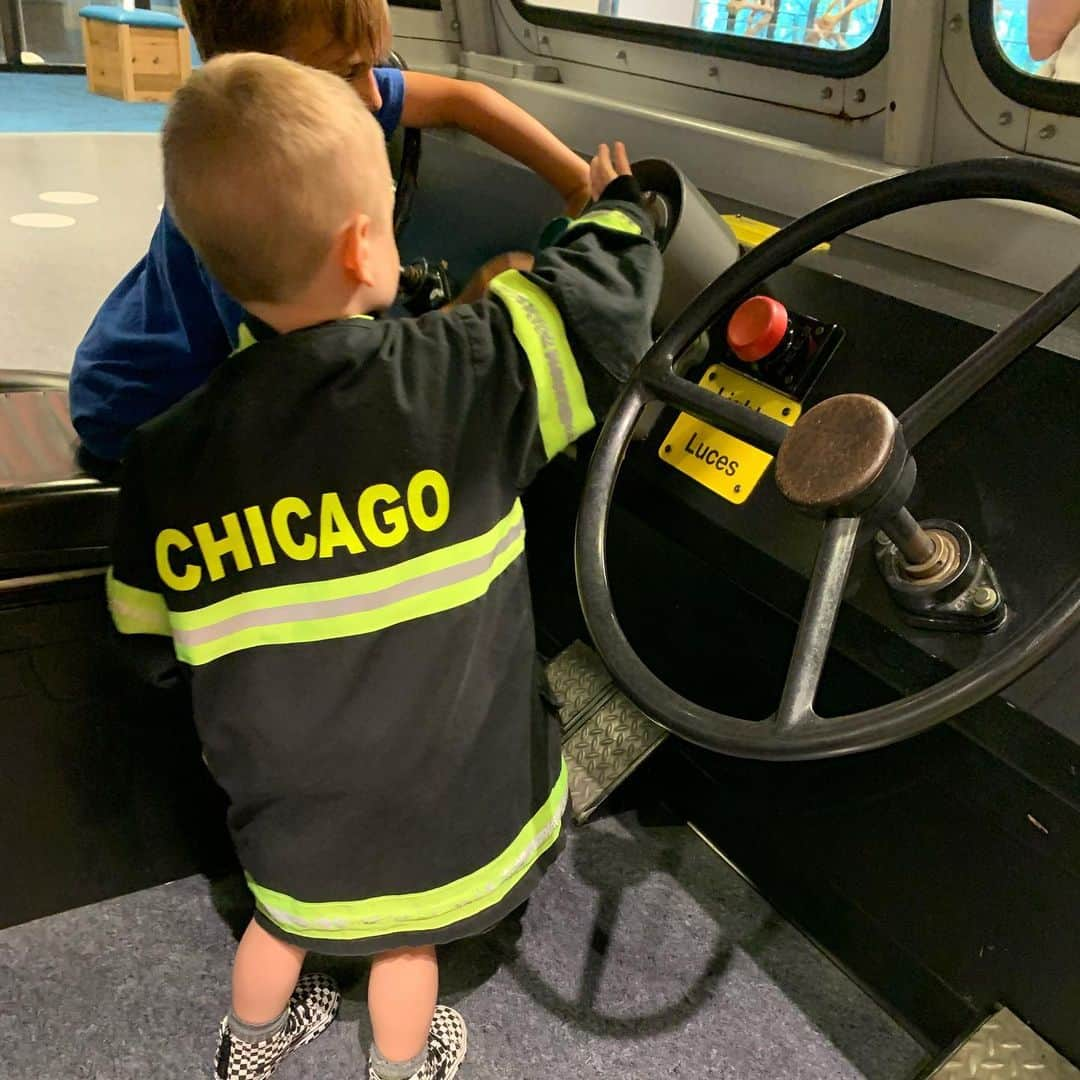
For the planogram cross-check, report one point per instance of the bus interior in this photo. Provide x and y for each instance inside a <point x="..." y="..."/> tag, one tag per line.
<point x="804" y="595"/>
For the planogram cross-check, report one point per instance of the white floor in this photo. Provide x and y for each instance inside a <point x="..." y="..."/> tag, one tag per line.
<point x="53" y="278"/>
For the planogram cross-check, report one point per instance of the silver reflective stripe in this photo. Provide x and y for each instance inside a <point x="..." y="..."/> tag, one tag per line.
<point x="562" y="404"/>
<point x="351" y="605"/>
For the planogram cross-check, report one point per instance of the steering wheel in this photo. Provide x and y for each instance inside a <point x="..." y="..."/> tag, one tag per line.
<point x="405" y="147"/>
<point x="846" y="460"/>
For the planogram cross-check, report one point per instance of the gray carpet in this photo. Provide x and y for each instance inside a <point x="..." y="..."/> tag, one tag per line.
<point x="642" y="955"/>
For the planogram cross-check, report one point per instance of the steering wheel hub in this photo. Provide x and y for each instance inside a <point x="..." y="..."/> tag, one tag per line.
<point x="837" y="454"/>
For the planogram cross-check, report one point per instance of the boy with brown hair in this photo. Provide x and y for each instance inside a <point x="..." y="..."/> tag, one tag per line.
<point x="169" y="323"/>
<point x="329" y="533"/>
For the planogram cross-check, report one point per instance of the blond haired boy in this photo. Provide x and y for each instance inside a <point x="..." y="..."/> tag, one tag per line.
<point x="169" y="323"/>
<point x="329" y="533"/>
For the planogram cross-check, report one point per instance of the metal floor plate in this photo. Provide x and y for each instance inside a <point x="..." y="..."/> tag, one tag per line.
<point x="605" y="736"/>
<point x="579" y="681"/>
<point x="1005" y="1048"/>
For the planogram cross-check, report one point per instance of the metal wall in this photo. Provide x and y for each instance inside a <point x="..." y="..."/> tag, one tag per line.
<point x="781" y="140"/>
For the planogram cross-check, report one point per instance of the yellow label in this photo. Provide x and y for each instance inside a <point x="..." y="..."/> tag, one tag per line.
<point x="750" y="233"/>
<point x="725" y="465"/>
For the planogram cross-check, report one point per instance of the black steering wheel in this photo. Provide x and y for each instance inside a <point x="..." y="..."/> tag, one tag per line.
<point x="405" y="147"/>
<point x="846" y="460"/>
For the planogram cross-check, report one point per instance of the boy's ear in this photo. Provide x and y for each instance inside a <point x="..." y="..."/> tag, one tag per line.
<point x="356" y="250"/>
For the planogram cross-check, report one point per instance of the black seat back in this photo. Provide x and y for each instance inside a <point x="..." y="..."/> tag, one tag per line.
<point x="53" y="514"/>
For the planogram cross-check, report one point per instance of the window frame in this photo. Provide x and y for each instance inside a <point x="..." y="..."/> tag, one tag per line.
<point x="805" y="59"/>
<point x="1046" y="95"/>
<point x="14" y="40"/>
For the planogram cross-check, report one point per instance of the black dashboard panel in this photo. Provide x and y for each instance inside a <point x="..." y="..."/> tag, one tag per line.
<point x="1002" y="466"/>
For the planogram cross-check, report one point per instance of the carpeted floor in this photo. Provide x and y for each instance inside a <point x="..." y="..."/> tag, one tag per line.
<point x="38" y="103"/>
<point x="642" y="956"/>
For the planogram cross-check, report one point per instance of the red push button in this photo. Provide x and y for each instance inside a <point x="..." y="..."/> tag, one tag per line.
<point x="757" y="327"/>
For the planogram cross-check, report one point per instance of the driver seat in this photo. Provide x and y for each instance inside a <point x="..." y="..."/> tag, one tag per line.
<point x="54" y="516"/>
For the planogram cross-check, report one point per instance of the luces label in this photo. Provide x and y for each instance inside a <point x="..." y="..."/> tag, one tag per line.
<point x="725" y="465"/>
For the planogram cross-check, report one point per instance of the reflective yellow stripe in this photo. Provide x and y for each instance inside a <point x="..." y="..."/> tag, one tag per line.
<point x="562" y="404"/>
<point x="244" y="338"/>
<point x="359" y="604"/>
<point x="136" y="611"/>
<point x="353" y="920"/>
<point x="615" y="220"/>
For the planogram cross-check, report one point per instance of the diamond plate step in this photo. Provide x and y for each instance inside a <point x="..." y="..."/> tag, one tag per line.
<point x="1005" y="1048"/>
<point x="579" y="681"/>
<point x="605" y="736"/>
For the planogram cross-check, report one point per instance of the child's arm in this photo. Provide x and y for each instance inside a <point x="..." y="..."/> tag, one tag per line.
<point x="157" y="337"/>
<point x="1049" y="24"/>
<point x="518" y="376"/>
<point x="133" y="587"/>
<point x="433" y="101"/>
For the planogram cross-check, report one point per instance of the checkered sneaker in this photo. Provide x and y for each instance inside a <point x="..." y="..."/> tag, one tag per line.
<point x="312" y="1008"/>
<point x="447" y="1043"/>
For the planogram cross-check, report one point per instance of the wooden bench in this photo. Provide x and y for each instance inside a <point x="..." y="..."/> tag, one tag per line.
<point x="134" y="55"/>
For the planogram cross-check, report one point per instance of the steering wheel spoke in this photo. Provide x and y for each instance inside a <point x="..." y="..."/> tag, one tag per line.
<point x="745" y="423"/>
<point x="823" y="600"/>
<point x="990" y="359"/>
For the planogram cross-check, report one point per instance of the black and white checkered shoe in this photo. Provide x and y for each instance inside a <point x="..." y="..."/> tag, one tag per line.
<point x="312" y="1008"/>
<point x="447" y="1044"/>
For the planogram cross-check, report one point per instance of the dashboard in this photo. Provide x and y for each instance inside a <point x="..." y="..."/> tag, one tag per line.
<point x="1001" y="467"/>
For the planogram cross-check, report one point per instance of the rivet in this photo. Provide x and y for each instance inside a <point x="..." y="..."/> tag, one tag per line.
<point x="985" y="599"/>
<point x="713" y="71"/>
<point x="860" y="95"/>
<point x="1048" y="132"/>
<point x="826" y="93"/>
<point x="1005" y="118"/>
<point x="956" y="23"/>
<point x="621" y="54"/>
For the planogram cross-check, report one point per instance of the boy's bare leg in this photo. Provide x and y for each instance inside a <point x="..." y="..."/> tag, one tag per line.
<point x="402" y="992"/>
<point x="264" y="976"/>
<point x="275" y="1011"/>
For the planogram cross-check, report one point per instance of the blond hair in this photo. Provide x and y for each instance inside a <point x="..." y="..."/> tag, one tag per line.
<point x="225" y="26"/>
<point x="265" y="162"/>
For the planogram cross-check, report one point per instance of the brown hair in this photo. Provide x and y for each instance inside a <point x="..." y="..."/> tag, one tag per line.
<point x="224" y="26"/>
<point x="265" y="160"/>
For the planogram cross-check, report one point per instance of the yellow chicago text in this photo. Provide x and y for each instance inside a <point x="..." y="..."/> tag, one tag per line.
<point x="381" y="516"/>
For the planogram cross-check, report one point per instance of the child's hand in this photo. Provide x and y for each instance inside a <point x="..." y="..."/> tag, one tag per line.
<point x="603" y="170"/>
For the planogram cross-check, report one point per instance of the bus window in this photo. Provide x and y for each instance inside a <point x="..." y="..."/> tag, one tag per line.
<point x="1030" y="49"/>
<point x="1040" y="37"/>
<point x="826" y="24"/>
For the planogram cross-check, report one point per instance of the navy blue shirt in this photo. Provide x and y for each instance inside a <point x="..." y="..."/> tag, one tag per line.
<point x="164" y="328"/>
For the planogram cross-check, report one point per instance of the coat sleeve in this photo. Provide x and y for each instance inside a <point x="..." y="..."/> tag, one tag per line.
<point x="549" y="349"/>
<point x="133" y="587"/>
